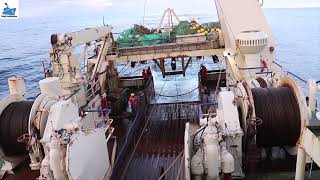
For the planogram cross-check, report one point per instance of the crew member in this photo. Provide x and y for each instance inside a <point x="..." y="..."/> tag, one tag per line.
<point x="203" y="74"/>
<point x="104" y="104"/>
<point x="133" y="103"/>
<point x="173" y="64"/>
<point x="145" y="76"/>
<point x="149" y="73"/>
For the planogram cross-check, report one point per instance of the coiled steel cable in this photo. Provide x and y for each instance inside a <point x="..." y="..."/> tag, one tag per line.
<point x="14" y="122"/>
<point x="262" y="82"/>
<point x="279" y="111"/>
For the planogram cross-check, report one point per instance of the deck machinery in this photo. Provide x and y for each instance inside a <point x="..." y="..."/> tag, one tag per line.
<point x="66" y="129"/>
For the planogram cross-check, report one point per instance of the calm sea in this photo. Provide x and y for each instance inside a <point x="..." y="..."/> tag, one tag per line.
<point x="24" y="44"/>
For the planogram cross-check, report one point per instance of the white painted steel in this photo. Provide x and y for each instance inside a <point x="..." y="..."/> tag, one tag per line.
<point x="312" y="94"/>
<point x="17" y="85"/>
<point x="56" y="160"/>
<point x="61" y="113"/>
<point x="187" y="152"/>
<point x="227" y="160"/>
<point x="212" y="156"/>
<point x="84" y="36"/>
<point x="87" y="156"/>
<point x="51" y="86"/>
<point x="197" y="168"/>
<point x="229" y="113"/>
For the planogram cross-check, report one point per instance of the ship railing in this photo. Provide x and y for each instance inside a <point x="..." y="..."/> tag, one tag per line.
<point x="290" y="73"/>
<point x="94" y="88"/>
<point x="271" y="73"/>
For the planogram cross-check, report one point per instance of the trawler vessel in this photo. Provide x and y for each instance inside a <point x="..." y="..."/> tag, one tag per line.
<point x="258" y="120"/>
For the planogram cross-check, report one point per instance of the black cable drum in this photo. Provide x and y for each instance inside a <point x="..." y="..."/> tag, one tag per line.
<point x="14" y="123"/>
<point x="279" y="111"/>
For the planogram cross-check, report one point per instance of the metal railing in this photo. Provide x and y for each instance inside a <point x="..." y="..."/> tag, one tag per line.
<point x="290" y="73"/>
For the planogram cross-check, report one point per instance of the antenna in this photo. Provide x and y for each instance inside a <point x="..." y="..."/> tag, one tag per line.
<point x="144" y="11"/>
<point x="103" y="21"/>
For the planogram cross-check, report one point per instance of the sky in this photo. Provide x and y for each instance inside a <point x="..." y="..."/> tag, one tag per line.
<point x="43" y="8"/>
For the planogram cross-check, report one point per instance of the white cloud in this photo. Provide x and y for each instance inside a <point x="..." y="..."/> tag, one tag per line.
<point x="305" y="5"/>
<point x="96" y="4"/>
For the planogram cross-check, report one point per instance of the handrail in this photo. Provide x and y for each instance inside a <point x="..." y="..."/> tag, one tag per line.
<point x="75" y="92"/>
<point x="250" y="68"/>
<point x="296" y="76"/>
<point x="290" y="73"/>
<point x="267" y="72"/>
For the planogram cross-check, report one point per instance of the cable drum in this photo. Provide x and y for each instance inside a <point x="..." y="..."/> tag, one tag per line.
<point x="262" y="82"/>
<point x="14" y="123"/>
<point x="280" y="113"/>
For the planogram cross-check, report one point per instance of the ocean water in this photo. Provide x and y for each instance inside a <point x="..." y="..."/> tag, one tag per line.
<point x="24" y="44"/>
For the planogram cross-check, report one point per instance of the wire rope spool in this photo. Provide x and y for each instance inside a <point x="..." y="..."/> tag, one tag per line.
<point x="263" y="83"/>
<point x="279" y="110"/>
<point x="14" y="123"/>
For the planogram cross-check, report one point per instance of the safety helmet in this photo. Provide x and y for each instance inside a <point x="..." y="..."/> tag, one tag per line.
<point x="132" y="94"/>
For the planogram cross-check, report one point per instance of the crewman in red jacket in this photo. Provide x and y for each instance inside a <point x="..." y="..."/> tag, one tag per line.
<point x="133" y="103"/>
<point x="149" y="73"/>
<point x="203" y="74"/>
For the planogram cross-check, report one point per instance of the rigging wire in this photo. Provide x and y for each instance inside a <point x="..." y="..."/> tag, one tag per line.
<point x="144" y="11"/>
<point x="123" y="68"/>
<point x="178" y="94"/>
<point x="218" y="83"/>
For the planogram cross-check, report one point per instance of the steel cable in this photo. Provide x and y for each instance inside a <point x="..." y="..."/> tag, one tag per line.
<point x="280" y="114"/>
<point x="14" y="122"/>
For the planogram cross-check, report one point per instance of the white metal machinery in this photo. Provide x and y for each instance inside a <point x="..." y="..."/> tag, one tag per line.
<point x="250" y="57"/>
<point x="250" y="68"/>
<point x="216" y="146"/>
<point x="66" y="65"/>
<point x="66" y="136"/>
<point x="56" y="135"/>
<point x="249" y="41"/>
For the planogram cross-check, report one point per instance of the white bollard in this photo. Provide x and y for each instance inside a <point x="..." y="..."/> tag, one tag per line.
<point x="17" y="85"/>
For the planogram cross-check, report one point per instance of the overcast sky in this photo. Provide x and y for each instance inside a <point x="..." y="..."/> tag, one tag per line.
<point x="35" y="8"/>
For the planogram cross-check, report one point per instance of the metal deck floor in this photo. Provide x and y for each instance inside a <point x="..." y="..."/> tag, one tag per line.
<point x="162" y="142"/>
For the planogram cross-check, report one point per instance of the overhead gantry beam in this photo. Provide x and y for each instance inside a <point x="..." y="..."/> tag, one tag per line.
<point x="164" y="51"/>
<point x="160" y="55"/>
